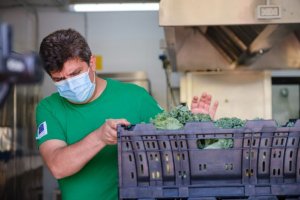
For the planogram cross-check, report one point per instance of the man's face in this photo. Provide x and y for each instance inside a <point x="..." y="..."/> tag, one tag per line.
<point x="72" y="68"/>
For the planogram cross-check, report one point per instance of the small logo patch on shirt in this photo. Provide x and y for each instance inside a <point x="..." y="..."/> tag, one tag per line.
<point x="42" y="130"/>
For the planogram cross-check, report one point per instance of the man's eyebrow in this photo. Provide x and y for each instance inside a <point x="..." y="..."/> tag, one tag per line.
<point x="75" y="71"/>
<point x="61" y="77"/>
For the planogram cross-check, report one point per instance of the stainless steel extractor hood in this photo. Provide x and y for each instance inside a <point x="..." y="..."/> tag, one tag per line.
<point x="231" y="34"/>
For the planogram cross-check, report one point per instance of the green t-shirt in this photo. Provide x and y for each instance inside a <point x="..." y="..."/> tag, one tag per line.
<point x="59" y="119"/>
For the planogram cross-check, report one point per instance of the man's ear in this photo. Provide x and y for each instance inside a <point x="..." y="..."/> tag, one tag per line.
<point x="93" y="63"/>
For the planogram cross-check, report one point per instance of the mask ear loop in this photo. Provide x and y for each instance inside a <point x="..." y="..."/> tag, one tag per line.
<point x="94" y="75"/>
<point x="94" y="78"/>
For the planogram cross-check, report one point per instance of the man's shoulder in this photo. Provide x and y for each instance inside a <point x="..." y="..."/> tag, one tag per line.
<point x="53" y="100"/>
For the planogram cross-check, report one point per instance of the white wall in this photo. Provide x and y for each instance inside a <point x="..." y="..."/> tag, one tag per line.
<point x="127" y="41"/>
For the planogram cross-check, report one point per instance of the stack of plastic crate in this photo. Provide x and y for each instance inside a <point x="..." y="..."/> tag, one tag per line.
<point x="263" y="162"/>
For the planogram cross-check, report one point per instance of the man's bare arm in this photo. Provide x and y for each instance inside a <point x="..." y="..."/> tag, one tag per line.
<point x="65" y="160"/>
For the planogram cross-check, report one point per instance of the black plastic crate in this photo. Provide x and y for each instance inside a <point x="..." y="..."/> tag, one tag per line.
<point x="263" y="163"/>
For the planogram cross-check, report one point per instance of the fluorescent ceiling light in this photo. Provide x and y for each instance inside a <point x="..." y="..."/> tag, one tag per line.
<point x="106" y="7"/>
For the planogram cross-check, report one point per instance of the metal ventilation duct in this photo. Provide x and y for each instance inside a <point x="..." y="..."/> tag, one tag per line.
<point x="219" y="34"/>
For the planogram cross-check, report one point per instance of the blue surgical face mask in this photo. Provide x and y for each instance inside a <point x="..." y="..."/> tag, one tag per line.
<point x="77" y="89"/>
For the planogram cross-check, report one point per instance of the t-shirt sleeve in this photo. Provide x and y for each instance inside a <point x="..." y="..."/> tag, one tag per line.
<point x="48" y="125"/>
<point x="149" y="107"/>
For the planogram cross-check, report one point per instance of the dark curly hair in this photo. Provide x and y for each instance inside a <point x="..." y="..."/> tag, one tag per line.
<point x="61" y="46"/>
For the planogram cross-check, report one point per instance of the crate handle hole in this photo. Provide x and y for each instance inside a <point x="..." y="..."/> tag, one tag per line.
<point x="132" y="175"/>
<point x="167" y="157"/>
<point x="291" y="154"/>
<point x="157" y="174"/>
<point x="130" y="158"/>
<point x="153" y="145"/>
<point x="247" y="172"/>
<point x="178" y="156"/>
<point x="202" y="167"/>
<point x="247" y="155"/>
<point x="156" y="157"/>
<point x="137" y="145"/>
<point x="164" y="145"/>
<point x="290" y="165"/>
<point x="184" y="174"/>
<point x="141" y="158"/>
<point x="263" y="166"/>
<point x="266" y="142"/>
<point x="168" y="168"/>
<point x="142" y="169"/>
<point x="181" y="144"/>
<point x="293" y="141"/>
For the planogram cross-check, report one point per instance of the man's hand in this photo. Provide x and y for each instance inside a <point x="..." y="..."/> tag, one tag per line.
<point x="108" y="131"/>
<point x="203" y="105"/>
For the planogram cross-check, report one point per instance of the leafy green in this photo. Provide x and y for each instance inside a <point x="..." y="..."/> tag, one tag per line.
<point x="180" y="115"/>
<point x="199" y="117"/>
<point x="203" y="143"/>
<point x="227" y="122"/>
<point x="166" y="122"/>
<point x="290" y="124"/>
<point x="177" y="118"/>
<point x="220" y="144"/>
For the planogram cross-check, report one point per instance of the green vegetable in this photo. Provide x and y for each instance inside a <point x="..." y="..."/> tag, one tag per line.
<point x="164" y="121"/>
<point x="290" y="124"/>
<point x="177" y="118"/>
<point x="227" y="122"/>
<point x="180" y="115"/>
<point x="220" y="144"/>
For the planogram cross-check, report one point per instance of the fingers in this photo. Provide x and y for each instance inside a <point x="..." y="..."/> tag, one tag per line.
<point x="195" y="102"/>
<point x="114" y="122"/>
<point x="108" y="131"/>
<point x="203" y="105"/>
<point x="213" y="110"/>
<point x="206" y="98"/>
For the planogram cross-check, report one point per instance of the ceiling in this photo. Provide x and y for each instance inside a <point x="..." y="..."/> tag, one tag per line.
<point x="4" y="4"/>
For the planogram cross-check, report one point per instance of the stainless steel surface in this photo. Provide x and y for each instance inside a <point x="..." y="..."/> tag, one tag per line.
<point x="20" y="163"/>
<point x="212" y="35"/>
<point x="221" y="12"/>
<point x="139" y="77"/>
<point x="5" y="139"/>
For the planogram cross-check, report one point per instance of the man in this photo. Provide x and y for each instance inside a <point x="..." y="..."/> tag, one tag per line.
<point x="76" y="132"/>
